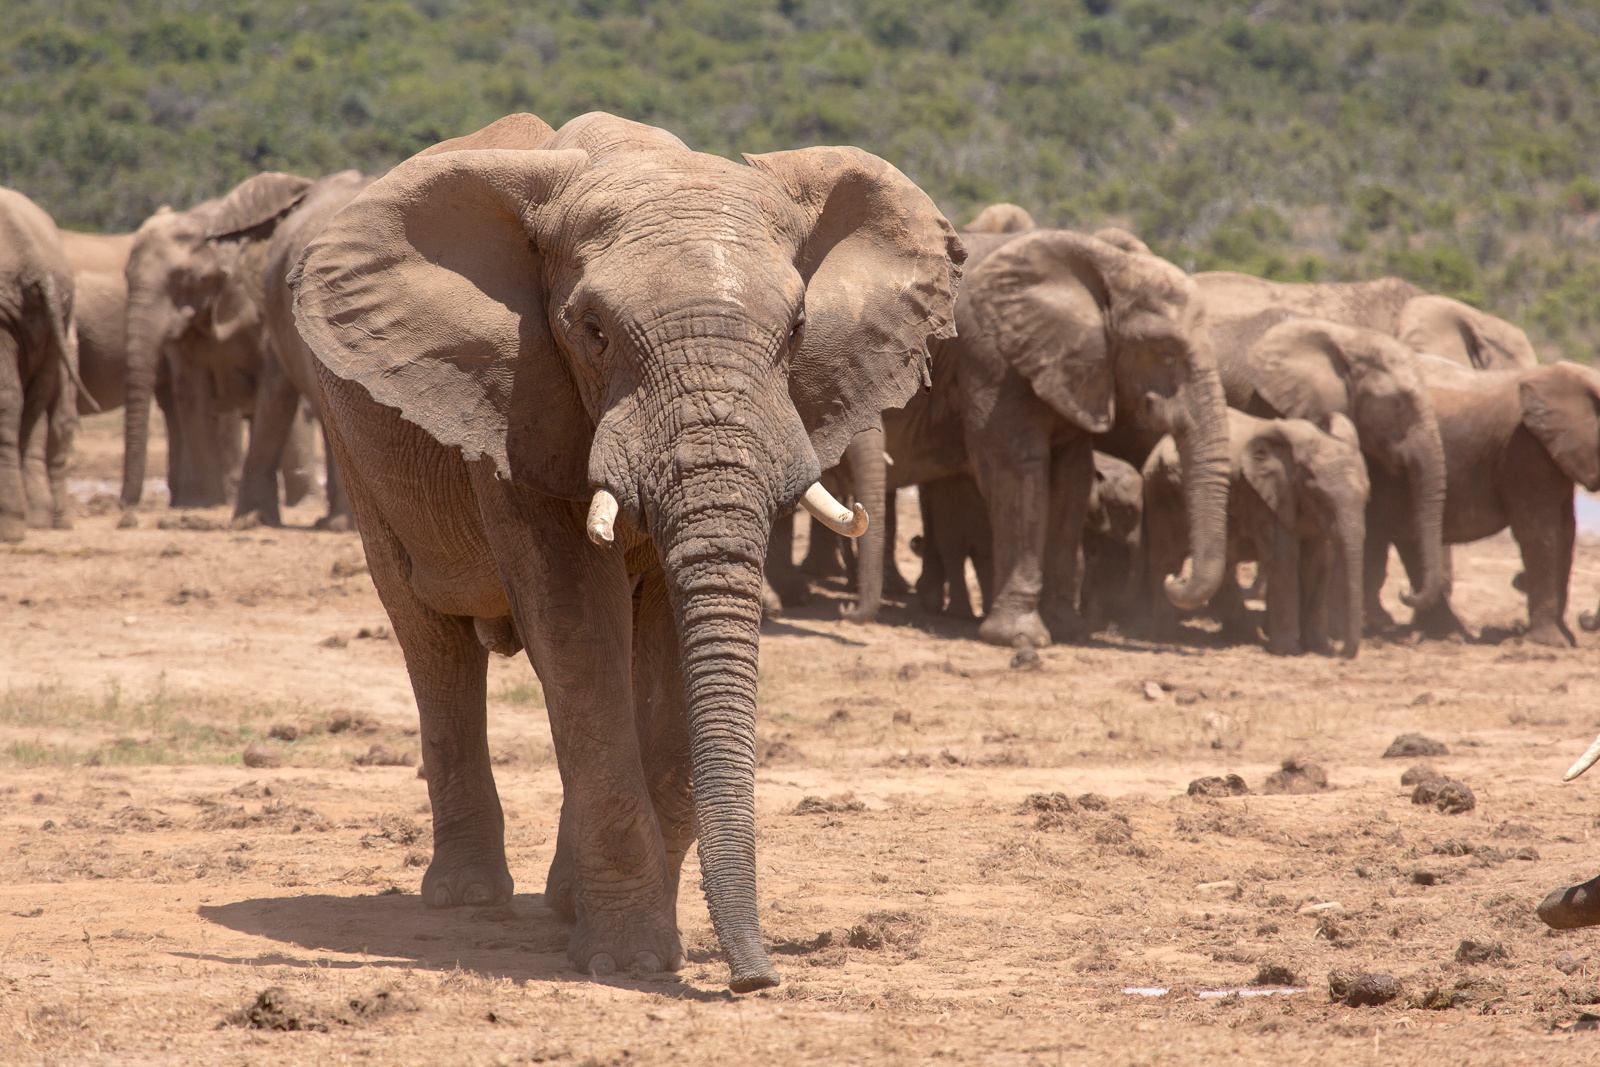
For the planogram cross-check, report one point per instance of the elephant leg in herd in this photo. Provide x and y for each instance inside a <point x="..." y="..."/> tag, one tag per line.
<point x="574" y="607"/>
<point x="1439" y="622"/>
<point x="60" y="432"/>
<point x="298" y="465"/>
<point x="1071" y="481"/>
<point x="1572" y="908"/>
<point x="1227" y="603"/>
<point x="1279" y="548"/>
<point x="36" y="479"/>
<point x="13" y="496"/>
<point x="197" y="480"/>
<point x="785" y="579"/>
<point x="1543" y="523"/>
<point x="339" y="517"/>
<point x="277" y="409"/>
<point x="167" y="404"/>
<point x="1374" y="572"/>
<point x="1316" y="576"/>
<point x="1012" y="463"/>
<point x="894" y="583"/>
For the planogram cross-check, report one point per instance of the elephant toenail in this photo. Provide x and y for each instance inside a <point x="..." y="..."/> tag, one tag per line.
<point x="478" y="894"/>
<point x="646" y="962"/>
<point x="442" y="897"/>
<point x="602" y="964"/>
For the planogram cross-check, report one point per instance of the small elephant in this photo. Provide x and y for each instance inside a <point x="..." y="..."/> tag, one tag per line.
<point x="1112" y="534"/>
<point x="955" y="528"/>
<point x="571" y="377"/>
<point x="1297" y="503"/>
<point x="1515" y="441"/>
<point x="38" y="357"/>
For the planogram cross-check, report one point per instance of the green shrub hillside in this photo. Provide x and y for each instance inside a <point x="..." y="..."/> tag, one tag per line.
<point x="1453" y="142"/>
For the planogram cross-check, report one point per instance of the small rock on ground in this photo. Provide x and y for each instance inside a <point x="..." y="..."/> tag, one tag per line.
<point x="1370" y="990"/>
<point x="260" y="756"/>
<point x="1412" y="746"/>
<point x="1446" y="794"/>
<point x="1230" y="786"/>
<point x="1470" y="951"/>
<point x="1420" y="773"/>
<point x="1296" y="776"/>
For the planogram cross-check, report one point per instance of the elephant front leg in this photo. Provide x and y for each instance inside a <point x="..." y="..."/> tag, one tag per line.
<point x="36" y="479"/>
<point x="1316" y="575"/>
<point x="61" y="429"/>
<point x="782" y="575"/>
<point x="1280" y="551"/>
<point x="13" y="498"/>
<point x="1545" y="533"/>
<point x="1011" y="457"/>
<point x="277" y="408"/>
<point x="1071" y="480"/>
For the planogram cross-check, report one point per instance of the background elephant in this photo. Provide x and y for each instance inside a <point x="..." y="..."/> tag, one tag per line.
<point x="1297" y="506"/>
<point x="38" y="356"/>
<point x="1461" y="333"/>
<point x="287" y="368"/>
<point x="1514" y="444"/>
<point x="195" y="303"/>
<point x="1112" y="532"/>
<point x="955" y="528"/>
<point x="685" y="343"/>
<point x="1312" y="369"/>
<point x="1063" y="336"/>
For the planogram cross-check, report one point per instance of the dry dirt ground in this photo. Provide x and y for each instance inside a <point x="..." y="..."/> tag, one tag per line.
<point x="920" y="907"/>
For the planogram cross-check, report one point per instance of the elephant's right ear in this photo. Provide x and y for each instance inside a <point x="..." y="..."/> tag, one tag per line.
<point x="428" y="291"/>
<point x="256" y="202"/>
<point x="1559" y="408"/>
<point x="1301" y="368"/>
<point x="1267" y="463"/>
<point x="1042" y="302"/>
<point x="1463" y="334"/>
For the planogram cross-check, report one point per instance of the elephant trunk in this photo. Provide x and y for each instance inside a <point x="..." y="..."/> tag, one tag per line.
<point x="1425" y="470"/>
<point x="147" y="340"/>
<point x="1201" y="434"/>
<point x="869" y="475"/>
<point x="1351" y="536"/>
<point x="714" y="542"/>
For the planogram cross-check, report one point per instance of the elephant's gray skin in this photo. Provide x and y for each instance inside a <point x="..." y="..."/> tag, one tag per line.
<point x="1062" y="336"/>
<point x="195" y="303"/>
<point x="38" y="356"/>
<point x="1298" y="502"/>
<point x="288" y="369"/>
<point x="531" y="321"/>
<point x="1514" y="443"/>
<point x="1112" y="553"/>
<point x="1461" y="333"/>
<point x="955" y="528"/>
<point x="1311" y="369"/>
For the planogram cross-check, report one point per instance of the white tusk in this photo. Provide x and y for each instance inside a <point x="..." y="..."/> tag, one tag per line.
<point x="602" y="513"/>
<point x="1585" y="761"/>
<point x="888" y="459"/>
<point x="819" y="503"/>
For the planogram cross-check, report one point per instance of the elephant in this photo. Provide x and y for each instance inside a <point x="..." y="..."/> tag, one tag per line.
<point x="955" y="528"/>
<point x="570" y="378"/>
<point x="195" y="304"/>
<point x="287" y="371"/>
<point x="1067" y="343"/>
<point x="1112" y="538"/>
<point x="38" y="356"/>
<point x="1461" y="333"/>
<point x="1515" y="441"/>
<point x="1311" y="369"/>
<point x="1297" y="503"/>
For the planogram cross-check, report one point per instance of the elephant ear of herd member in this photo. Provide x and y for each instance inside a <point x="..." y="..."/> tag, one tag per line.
<point x="429" y="290"/>
<point x="256" y="202"/>
<point x="1461" y="333"/>
<point x="1559" y="408"/>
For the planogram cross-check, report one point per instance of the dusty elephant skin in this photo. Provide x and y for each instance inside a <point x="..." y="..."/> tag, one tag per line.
<point x="38" y="356"/>
<point x="520" y="321"/>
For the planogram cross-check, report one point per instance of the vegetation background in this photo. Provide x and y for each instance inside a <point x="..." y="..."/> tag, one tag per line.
<point x="1453" y="142"/>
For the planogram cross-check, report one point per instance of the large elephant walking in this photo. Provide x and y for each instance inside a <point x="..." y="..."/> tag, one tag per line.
<point x="38" y="355"/>
<point x="571" y="378"/>
<point x="1062" y="336"/>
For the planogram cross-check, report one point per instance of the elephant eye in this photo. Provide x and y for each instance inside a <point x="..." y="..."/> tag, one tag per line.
<point x="794" y="331"/>
<point x="596" y="334"/>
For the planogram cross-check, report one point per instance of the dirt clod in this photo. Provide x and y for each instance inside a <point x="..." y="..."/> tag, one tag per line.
<point x="384" y="756"/>
<point x="819" y="806"/>
<point x="1424" y="877"/>
<point x="1370" y="990"/>
<point x="1446" y="794"/>
<point x="260" y="756"/>
<point x="1230" y="786"/>
<point x="335" y="641"/>
<point x="1296" y="776"/>
<point x="1414" y="746"/>
<point x="283" y="731"/>
<point x="1419" y="773"/>
<point x="1276" y="974"/>
<point x="1568" y="963"/>
<point x="278" y="1009"/>
<point x="776" y="752"/>
<point x="1470" y="951"/>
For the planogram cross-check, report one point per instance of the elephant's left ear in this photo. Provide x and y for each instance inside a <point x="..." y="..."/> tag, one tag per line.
<point x="256" y="202"/>
<point x="1267" y="463"/>
<point x="1559" y="407"/>
<point x="881" y="265"/>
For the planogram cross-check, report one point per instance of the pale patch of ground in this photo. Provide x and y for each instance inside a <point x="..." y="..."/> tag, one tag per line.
<point x="150" y="885"/>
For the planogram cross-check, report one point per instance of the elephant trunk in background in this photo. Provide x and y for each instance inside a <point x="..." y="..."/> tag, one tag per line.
<point x="1200" y="429"/>
<point x="1350" y="535"/>
<point x="870" y="473"/>
<point x="1426" y="473"/>
<point x="147" y="342"/>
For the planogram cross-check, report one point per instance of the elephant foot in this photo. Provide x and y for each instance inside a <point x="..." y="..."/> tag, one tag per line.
<point x="340" y="523"/>
<point x="1065" y="624"/>
<point x="1438" y="623"/>
<point x="1551" y="635"/>
<point x="1284" y="648"/>
<point x="1572" y="908"/>
<point x="1021" y="630"/>
<point x="39" y="520"/>
<point x="606" y="943"/>
<point x="1376" y="620"/>
<point x="13" y="528"/>
<point x="1318" y="646"/>
<point x="894" y="583"/>
<point x="456" y="879"/>
<point x="558" y="885"/>
<point x="61" y="522"/>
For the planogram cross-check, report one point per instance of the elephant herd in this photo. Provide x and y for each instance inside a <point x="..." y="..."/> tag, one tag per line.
<point x="572" y="382"/>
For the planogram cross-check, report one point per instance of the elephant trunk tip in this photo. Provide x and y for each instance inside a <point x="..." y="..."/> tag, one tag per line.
<point x="1194" y="593"/>
<point x="752" y="978"/>
<point x="1427" y="597"/>
<point x="860" y="613"/>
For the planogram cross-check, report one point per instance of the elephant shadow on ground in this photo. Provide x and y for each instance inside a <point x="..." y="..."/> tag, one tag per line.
<point x="522" y="941"/>
<point x="830" y="596"/>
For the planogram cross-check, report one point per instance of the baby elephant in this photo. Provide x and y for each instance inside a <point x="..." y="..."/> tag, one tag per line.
<point x="1297" y="505"/>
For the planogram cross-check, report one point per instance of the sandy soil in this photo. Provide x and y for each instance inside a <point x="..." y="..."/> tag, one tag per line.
<point x="921" y="907"/>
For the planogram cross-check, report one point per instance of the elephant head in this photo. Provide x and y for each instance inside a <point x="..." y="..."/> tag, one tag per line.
<point x="1000" y="218"/>
<point x="1312" y="369"/>
<point x="1463" y="334"/>
<point x="1303" y="473"/>
<point x="1104" y="335"/>
<point x="1559" y="407"/>
<point x="686" y="342"/>
<point x="189" y="292"/>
